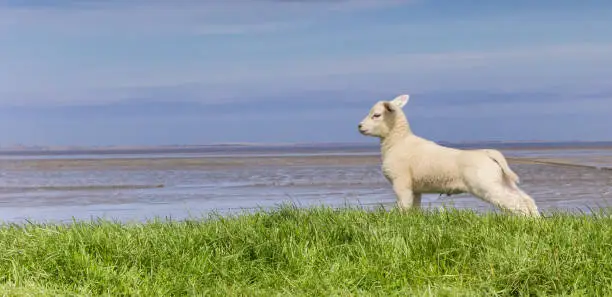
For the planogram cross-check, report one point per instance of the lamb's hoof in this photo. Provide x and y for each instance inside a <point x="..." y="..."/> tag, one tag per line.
<point x="405" y="209"/>
<point x="402" y="208"/>
<point x="529" y="213"/>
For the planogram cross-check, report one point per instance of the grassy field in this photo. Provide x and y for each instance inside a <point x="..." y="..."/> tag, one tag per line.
<point x="318" y="251"/>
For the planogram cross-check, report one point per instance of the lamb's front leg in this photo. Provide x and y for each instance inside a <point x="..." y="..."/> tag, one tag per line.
<point x="406" y="197"/>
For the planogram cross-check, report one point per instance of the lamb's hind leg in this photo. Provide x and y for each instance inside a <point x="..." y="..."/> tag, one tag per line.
<point x="505" y="197"/>
<point x="528" y="202"/>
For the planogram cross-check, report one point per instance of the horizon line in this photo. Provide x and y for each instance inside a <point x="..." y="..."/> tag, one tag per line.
<point x="61" y="148"/>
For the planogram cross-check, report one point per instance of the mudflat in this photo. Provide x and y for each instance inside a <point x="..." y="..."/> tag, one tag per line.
<point x="138" y="187"/>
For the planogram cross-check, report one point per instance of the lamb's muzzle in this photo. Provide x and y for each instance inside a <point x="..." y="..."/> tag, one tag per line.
<point x="416" y="166"/>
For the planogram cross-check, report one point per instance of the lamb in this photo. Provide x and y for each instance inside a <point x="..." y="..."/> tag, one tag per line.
<point x="414" y="165"/>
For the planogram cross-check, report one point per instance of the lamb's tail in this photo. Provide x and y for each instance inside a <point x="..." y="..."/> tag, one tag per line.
<point x="501" y="161"/>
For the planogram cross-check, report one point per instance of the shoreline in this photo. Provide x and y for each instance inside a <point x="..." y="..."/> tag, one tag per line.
<point x="232" y="161"/>
<point x="296" y="147"/>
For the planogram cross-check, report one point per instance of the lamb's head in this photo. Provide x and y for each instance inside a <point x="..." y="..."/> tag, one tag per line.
<point x="384" y="117"/>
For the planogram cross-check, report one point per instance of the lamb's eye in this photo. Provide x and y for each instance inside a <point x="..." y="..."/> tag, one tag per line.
<point x="376" y="115"/>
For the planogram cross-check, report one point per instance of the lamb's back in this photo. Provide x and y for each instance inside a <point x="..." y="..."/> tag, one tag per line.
<point x="429" y="166"/>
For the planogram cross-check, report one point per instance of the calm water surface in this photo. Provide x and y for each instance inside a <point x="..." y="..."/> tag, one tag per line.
<point x="137" y="187"/>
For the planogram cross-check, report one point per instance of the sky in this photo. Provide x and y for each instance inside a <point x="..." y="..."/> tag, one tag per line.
<point x="136" y="72"/>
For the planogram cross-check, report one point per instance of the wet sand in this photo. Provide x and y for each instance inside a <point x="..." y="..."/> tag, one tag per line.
<point x="185" y="163"/>
<point x="182" y="163"/>
<point x="178" y="186"/>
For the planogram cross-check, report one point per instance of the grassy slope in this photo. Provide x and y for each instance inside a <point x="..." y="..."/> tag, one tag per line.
<point x="314" y="252"/>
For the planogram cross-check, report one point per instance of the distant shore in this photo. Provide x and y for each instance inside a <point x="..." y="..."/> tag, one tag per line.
<point x="284" y="147"/>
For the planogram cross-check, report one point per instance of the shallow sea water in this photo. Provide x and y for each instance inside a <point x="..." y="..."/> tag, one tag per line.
<point x="140" y="187"/>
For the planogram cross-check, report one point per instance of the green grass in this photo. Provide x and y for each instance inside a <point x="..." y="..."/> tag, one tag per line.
<point x="319" y="251"/>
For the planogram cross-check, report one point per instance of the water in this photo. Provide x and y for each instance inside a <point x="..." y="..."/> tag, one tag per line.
<point x="142" y="185"/>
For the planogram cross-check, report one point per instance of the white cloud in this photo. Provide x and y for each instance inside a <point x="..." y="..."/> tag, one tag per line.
<point x="536" y="68"/>
<point x="178" y="17"/>
<point x="568" y="105"/>
<point x="573" y="69"/>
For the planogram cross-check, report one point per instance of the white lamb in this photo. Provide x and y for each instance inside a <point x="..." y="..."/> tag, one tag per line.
<point x="415" y="166"/>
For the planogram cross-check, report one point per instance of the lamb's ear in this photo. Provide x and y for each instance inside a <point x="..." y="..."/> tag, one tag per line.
<point x="389" y="106"/>
<point x="401" y="100"/>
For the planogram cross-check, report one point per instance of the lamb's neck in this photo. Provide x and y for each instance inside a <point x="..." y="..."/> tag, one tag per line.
<point x="400" y="131"/>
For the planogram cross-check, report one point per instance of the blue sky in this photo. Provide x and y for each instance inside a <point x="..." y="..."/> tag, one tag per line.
<point x="137" y="72"/>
